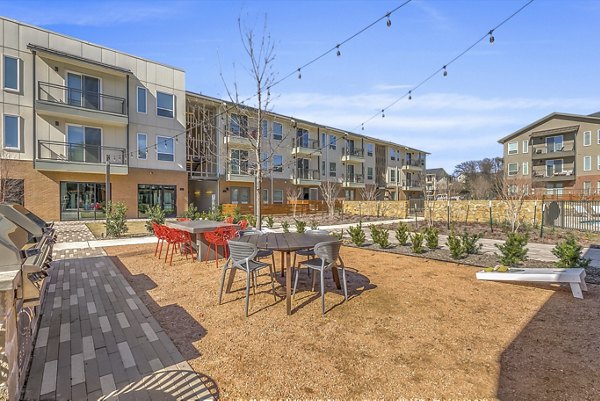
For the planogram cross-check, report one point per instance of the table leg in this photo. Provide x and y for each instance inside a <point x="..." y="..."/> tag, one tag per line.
<point x="288" y="282"/>
<point x="336" y="275"/>
<point x="199" y="249"/>
<point x="230" y="281"/>
<point x="282" y="263"/>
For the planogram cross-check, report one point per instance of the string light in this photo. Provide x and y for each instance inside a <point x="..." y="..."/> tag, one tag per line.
<point x="382" y="113"/>
<point x="445" y="72"/>
<point x="491" y="33"/>
<point x="363" y="127"/>
<point x="410" y="95"/>
<point x="389" y="21"/>
<point x="339" y="53"/>
<point x="299" y="74"/>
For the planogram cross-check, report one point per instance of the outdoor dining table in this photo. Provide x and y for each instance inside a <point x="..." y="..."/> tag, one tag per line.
<point x="197" y="228"/>
<point x="286" y="243"/>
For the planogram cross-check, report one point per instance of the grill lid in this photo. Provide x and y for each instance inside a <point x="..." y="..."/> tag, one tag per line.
<point x="24" y="218"/>
<point x="12" y="239"/>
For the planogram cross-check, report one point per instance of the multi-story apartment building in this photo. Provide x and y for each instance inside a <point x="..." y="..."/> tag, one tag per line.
<point x="69" y="106"/>
<point x="296" y="155"/>
<point x="437" y="182"/>
<point x="559" y="153"/>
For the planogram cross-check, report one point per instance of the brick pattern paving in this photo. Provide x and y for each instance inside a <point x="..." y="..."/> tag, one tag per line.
<point x="98" y="341"/>
<point x="72" y="231"/>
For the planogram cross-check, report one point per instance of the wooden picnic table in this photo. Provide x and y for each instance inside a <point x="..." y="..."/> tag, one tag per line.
<point x="198" y="228"/>
<point x="286" y="243"/>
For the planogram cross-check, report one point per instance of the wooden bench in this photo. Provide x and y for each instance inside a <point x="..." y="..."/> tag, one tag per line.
<point x="575" y="277"/>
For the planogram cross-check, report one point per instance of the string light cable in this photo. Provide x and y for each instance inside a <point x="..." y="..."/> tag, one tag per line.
<point x="444" y="69"/>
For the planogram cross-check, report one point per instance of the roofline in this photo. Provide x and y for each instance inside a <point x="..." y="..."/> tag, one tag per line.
<point x="577" y="117"/>
<point x="326" y="127"/>
<point x="89" y="43"/>
<point x="78" y="58"/>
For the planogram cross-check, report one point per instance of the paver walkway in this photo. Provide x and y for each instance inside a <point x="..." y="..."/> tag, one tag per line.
<point x="97" y="340"/>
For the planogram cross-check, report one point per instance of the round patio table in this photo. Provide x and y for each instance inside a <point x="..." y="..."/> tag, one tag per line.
<point x="286" y="243"/>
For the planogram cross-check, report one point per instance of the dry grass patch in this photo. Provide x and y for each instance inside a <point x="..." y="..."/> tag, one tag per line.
<point x="135" y="229"/>
<point x="412" y="328"/>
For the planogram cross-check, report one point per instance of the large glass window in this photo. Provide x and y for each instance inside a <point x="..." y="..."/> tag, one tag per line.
<point x="302" y="138"/>
<point x="141" y="100"/>
<point x="554" y="144"/>
<point x="240" y="195"/>
<point x="278" y="163"/>
<point x="239" y="162"/>
<point x="513" y="168"/>
<point x="587" y="163"/>
<point x="392" y="154"/>
<point x="513" y="148"/>
<point x="370" y="149"/>
<point x="83" y="91"/>
<point x="587" y="138"/>
<point x="238" y="125"/>
<point x="332" y="142"/>
<point x="161" y="195"/>
<point x="277" y="131"/>
<point x="165" y="104"/>
<point x="277" y="196"/>
<point x="553" y="167"/>
<point x="11" y="73"/>
<point x="332" y="169"/>
<point x="12" y="136"/>
<point x="82" y="201"/>
<point x="84" y="144"/>
<point x="142" y="146"/>
<point x="165" y="149"/>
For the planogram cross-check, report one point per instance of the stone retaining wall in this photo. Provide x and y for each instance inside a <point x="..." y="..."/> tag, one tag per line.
<point x="394" y="209"/>
<point x="479" y="211"/>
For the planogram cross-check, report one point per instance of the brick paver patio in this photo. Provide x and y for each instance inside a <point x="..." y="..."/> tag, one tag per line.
<point x="97" y="340"/>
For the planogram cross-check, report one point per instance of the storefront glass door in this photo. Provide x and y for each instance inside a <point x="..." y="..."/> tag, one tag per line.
<point x="82" y="201"/>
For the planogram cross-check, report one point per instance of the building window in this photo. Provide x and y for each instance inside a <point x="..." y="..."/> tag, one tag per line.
<point x="587" y="138"/>
<point x="277" y="163"/>
<point x="13" y="191"/>
<point x="525" y="146"/>
<point x="599" y="137"/>
<point x="370" y="149"/>
<point x="277" y="131"/>
<point x="392" y="154"/>
<point x="525" y="168"/>
<point x="12" y="132"/>
<point x="332" y="142"/>
<point x="157" y="195"/>
<point x="587" y="187"/>
<point x="264" y="159"/>
<point x="554" y="167"/>
<point x="164" y="148"/>
<point x="141" y="100"/>
<point x="598" y="162"/>
<point x="587" y="163"/>
<point x="369" y="173"/>
<point x="265" y="128"/>
<point x="278" y="196"/>
<point x="11" y="73"/>
<point x="239" y="162"/>
<point x="240" y="195"/>
<point x="513" y="168"/>
<point x="82" y="201"/>
<point x="165" y="104"/>
<point x="392" y="175"/>
<point x="85" y="144"/>
<point x="323" y="140"/>
<point x="265" y="196"/>
<point x="513" y="148"/>
<point x="238" y="125"/>
<point x="142" y="146"/>
<point x="332" y="169"/>
<point x="322" y="168"/>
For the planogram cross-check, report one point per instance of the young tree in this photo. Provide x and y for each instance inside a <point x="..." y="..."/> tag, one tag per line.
<point x="292" y="195"/>
<point x="330" y="191"/>
<point x="512" y="192"/>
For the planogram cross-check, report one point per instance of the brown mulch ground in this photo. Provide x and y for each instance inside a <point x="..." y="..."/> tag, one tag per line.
<point x="413" y="328"/>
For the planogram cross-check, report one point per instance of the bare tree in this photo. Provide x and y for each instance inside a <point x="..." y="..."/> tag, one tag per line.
<point x="370" y="193"/>
<point x="11" y="190"/>
<point x="292" y="195"/>
<point x="512" y="192"/>
<point x="331" y="192"/>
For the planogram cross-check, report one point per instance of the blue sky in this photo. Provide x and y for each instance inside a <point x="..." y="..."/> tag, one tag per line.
<point x="543" y="60"/>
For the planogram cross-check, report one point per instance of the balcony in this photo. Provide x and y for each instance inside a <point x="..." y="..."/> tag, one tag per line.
<point x="559" y="176"/>
<point x="413" y="165"/>
<point x="240" y="139"/>
<point x="307" y="178"/>
<point x="353" y="155"/>
<point x="94" y="107"/>
<point x="552" y="152"/>
<point x="241" y="174"/>
<point x="412" y="186"/>
<point x="305" y="147"/>
<point x="353" y="181"/>
<point x="80" y="158"/>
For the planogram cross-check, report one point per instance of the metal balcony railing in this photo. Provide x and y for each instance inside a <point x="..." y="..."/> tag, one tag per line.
<point x="241" y="169"/>
<point x="543" y="149"/>
<point x="356" y="152"/>
<point x="80" y="98"/>
<point x="306" y="143"/>
<point x="411" y="184"/>
<point x="414" y="163"/>
<point x="304" y="174"/>
<point x="78" y="152"/>
<point x="354" y="178"/>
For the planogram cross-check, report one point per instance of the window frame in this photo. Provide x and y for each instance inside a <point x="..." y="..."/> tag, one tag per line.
<point x="332" y="172"/>
<point x="278" y="137"/>
<point x="137" y="94"/>
<point x="370" y="176"/>
<point x="172" y="105"/>
<point x="599" y="137"/>
<point x="264" y="126"/>
<point x="323" y="165"/>
<point x="370" y="149"/>
<point x="516" y="150"/>
<point x="277" y="167"/>
<point x="265" y="196"/>
<point x="590" y="163"/>
<point x="18" y="148"/>
<point x="525" y="168"/>
<point x="332" y="142"/>
<point x="158" y="139"/>
<point x="393" y="175"/>
<point x="18" y="60"/>
<point x="508" y="169"/>
<point x="525" y="146"/>
<point x="278" y="191"/>
<point x="138" y="145"/>
<point x="587" y="134"/>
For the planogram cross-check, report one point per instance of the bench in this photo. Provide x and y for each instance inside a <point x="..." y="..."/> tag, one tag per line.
<point x="575" y="277"/>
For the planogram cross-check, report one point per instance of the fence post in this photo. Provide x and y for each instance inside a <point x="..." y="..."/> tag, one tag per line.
<point x="491" y="221"/>
<point x="542" y="223"/>
<point x="448" y="214"/>
<point x="534" y="212"/>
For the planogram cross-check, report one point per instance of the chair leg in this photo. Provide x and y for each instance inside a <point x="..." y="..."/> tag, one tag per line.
<point x="344" y="283"/>
<point x="191" y="250"/>
<point x="272" y="273"/>
<point x="167" y="254"/>
<point x="162" y="241"/>
<point x="172" y="252"/>
<point x="295" y="282"/>
<point x="323" y="291"/>
<point x="156" y="248"/>
<point x="312" y="287"/>
<point x="222" y="283"/>
<point x="217" y="255"/>
<point x="247" y="290"/>
<point x="273" y="260"/>
<point x="254" y="280"/>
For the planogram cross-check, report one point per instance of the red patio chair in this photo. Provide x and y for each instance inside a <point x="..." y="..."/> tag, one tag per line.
<point x="229" y="219"/>
<point x="159" y="232"/>
<point x="243" y="224"/>
<point x="217" y="238"/>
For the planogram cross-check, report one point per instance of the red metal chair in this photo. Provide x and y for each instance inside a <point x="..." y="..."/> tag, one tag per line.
<point x="243" y="224"/>
<point x="229" y="219"/>
<point x="160" y="234"/>
<point x="217" y="238"/>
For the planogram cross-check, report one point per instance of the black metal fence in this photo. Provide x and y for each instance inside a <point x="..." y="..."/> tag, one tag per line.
<point x="572" y="214"/>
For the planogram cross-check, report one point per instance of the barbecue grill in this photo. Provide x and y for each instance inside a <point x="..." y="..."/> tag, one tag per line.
<point x="27" y="220"/>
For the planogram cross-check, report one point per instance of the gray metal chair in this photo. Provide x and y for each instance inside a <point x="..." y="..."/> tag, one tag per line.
<point x="327" y="254"/>
<point x="262" y="253"/>
<point x="242" y="257"/>
<point x="309" y="253"/>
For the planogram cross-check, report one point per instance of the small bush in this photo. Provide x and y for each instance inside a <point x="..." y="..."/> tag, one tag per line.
<point x="116" y="222"/>
<point x="300" y="226"/>
<point x="357" y="235"/>
<point x="337" y="235"/>
<point x="251" y="219"/>
<point x="381" y="236"/>
<point x="192" y="212"/>
<point x="314" y="225"/>
<point x="286" y="226"/>
<point x="155" y="215"/>
<point x="216" y="214"/>
<point x="270" y="221"/>
<point x="432" y="237"/>
<point x="568" y="253"/>
<point x="402" y="233"/>
<point x="470" y="243"/>
<point x="513" y="251"/>
<point x="237" y="215"/>
<point x="416" y="243"/>
<point x="455" y="245"/>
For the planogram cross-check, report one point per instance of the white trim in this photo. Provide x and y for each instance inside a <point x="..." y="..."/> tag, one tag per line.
<point x="173" y="106"/>
<point x="598" y="163"/>
<point x="589" y="133"/>
<point x="273" y="130"/>
<point x="137" y="100"/>
<point x="508" y="172"/>
<point x="18" y="90"/>
<point x="157" y="146"/>
<point x="525" y="146"/>
<point x="599" y="137"/>
<point x="525" y="168"/>
<point x="590" y="159"/>
<point x="4" y="132"/>
<point x="516" y="152"/>
<point x="137" y="137"/>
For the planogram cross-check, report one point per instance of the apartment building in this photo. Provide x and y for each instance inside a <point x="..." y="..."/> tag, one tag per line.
<point x="557" y="154"/>
<point x="69" y="108"/>
<point x="296" y="156"/>
<point x="437" y="183"/>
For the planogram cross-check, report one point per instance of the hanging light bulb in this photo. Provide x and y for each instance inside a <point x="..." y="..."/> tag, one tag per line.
<point x="389" y="21"/>
<point x="299" y="74"/>
<point x="339" y="53"/>
<point x="491" y="33"/>
<point x="269" y="91"/>
<point x="362" y="126"/>
<point x="382" y="113"/>
<point x="410" y="95"/>
<point x="445" y="72"/>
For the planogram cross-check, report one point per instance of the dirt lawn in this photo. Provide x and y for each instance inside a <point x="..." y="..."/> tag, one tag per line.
<point x="412" y="328"/>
